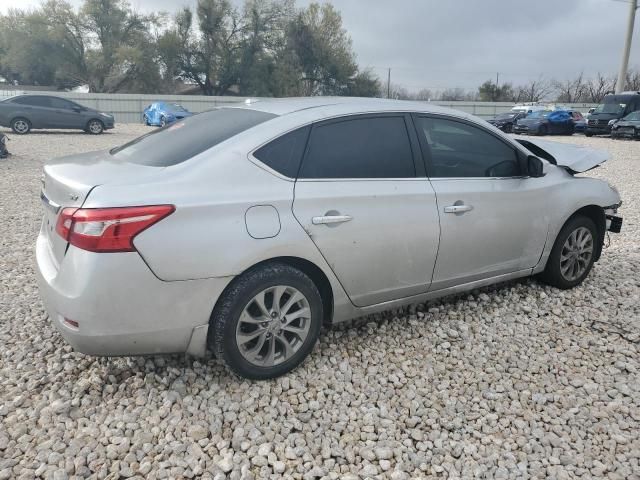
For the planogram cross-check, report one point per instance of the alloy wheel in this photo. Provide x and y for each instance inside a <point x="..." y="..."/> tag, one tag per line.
<point x="576" y="254"/>
<point x="273" y="326"/>
<point x="21" y="126"/>
<point x="95" y="127"/>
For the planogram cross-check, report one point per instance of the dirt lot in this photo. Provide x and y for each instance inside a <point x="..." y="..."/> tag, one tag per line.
<point x="517" y="381"/>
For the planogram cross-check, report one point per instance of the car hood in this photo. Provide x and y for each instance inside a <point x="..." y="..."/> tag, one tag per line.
<point x="575" y="158"/>
<point x="627" y="123"/>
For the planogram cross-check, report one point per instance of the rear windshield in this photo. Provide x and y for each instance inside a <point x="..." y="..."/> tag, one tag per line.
<point x="186" y="138"/>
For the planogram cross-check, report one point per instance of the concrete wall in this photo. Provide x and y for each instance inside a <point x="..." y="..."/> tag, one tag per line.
<point x="127" y="108"/>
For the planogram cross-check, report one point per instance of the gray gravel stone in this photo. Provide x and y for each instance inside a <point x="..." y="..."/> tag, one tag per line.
<point x="514" y="381"/>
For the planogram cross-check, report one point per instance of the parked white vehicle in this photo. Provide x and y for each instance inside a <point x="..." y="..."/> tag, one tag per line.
<point x="243" y="230"/>
<point x="528" y="108"/>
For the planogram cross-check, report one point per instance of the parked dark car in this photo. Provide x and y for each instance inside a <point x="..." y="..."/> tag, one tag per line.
<point x="628" y="126"/>
<point x="163" y="113"/>
<point x="557" y="122"/>
<point x="25" y="112"/>
<point x="613" y="107"/>
<point x="506" y="121"/>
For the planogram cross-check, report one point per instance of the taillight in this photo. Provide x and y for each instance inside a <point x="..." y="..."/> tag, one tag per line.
<point x="108" y="229"/>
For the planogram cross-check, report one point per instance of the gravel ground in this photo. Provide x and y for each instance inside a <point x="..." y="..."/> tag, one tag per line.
<point x="516" y="381"/>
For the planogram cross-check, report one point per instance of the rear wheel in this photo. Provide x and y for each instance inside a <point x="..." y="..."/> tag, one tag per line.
<point x="573" y="254"/>
<point x="267" y="321"/>
<point x="145" y="120"/>
<point x="587" y="134"/>
<point x="163" y="121"/>
<point x="95" y="127"/>
<point x="21" y="126"/>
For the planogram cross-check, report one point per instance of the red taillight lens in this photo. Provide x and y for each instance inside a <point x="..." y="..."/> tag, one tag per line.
<point x="108" y="229"/>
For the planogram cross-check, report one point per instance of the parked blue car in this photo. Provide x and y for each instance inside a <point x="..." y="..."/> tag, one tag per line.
<point x="557" y="122"/>
<point x="163" y="113"/>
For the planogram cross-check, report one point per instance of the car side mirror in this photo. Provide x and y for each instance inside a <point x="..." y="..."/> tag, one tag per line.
<point x="535" y="167"/>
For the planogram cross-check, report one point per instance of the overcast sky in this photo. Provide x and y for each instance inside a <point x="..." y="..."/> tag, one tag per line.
<point x="460" y="43"/>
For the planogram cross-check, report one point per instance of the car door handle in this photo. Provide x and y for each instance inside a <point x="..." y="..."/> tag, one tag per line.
<point x="458" y="208"/>
<point x="329" y="219"/>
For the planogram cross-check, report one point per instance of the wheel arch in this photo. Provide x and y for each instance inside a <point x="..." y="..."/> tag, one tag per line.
<point x="595" y="213"/>
<point x="315" y="273"/>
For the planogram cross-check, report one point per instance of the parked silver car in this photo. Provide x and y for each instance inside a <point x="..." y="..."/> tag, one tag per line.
<point x="25" y="112"/>
<point x="244" y="230"/>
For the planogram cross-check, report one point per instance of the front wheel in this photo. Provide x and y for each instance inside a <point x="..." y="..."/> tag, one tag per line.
<point x="573" y="254"/>
<point x="587" y="134"/>
<point x="542" y="130"/>
<point x="163" y="121"/>
<point x="95" y="127"/>
<point x="266" y="322"/>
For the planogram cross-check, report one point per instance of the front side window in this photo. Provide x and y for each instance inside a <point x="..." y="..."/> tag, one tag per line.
<point x="458" y="149"/>
<point x="366" y="147"/>
<point x="61" y="103"/>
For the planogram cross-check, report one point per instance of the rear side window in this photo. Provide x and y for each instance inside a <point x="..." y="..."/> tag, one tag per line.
<point x="368" y="147"/>
<point x="186" y="138"/>
<point x="32" y="101"/>
<point x="285" y="153"/>
<point x="61" y="103"/>
<point x="461" y="150"/>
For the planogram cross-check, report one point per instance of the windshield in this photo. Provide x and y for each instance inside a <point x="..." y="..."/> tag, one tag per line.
<point x="186" y="138"/>
<point x="538" y="114"/>
<point x="633" y="116"/>
<point x="612" y="104"/>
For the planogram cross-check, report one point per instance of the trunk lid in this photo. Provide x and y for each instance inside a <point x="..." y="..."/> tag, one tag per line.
<point x="575" y="158"/>
<point x="67" y="182"/>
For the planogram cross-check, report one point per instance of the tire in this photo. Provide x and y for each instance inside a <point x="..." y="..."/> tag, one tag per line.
<point x="542" y="130"/>
<point x="556" y="273"/>
<point x="163" y="121"/>
<point x="588" y="134"/>
<point x="236" y="313"/>
<point x="145" y="120"/>
<point x="94" y="127"/>
<point x="20" y="126"/>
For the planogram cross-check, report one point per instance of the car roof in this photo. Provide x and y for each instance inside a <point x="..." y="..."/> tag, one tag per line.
<point x="327" y="107"/>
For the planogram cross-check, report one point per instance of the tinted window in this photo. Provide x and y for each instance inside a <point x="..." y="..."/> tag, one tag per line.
<point x="33" y="101"/>
<point x="359" y="148"/>
<point x="284" y="153"/>
<point x="461" y="150"/>
<point x="186" y="138"/>
<point x="61" y="103"/>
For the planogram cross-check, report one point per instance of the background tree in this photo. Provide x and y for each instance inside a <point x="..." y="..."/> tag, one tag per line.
<point x="492" y="92"/>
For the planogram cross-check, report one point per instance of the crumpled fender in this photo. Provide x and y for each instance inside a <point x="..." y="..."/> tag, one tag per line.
<point x="575" y="158"/>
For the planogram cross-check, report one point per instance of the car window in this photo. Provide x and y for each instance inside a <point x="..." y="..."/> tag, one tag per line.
<point x="461" y="150"/>
<point x="32" y="101"/>
<point x="60" y="103"/>
<point x="367" y="147"/>
<point x="285" y="153"/>
<point x="186" y="138"/>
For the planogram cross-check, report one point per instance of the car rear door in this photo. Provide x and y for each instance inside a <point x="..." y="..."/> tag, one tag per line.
<point x="493" y="218"/>
<point x="362" y="197"/>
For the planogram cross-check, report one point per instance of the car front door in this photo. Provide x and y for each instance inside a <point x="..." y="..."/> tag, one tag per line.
<point x="67" y="114"/>
<point x="362" y="197"/>
<point x="493" y="218"/>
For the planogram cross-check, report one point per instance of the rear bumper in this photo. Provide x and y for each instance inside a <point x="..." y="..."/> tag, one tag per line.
<point x="120" y="307"/>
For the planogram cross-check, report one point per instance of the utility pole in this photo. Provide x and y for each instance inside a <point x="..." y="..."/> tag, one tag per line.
<point x="622" y="75"/>
<point x="389" y="83"/>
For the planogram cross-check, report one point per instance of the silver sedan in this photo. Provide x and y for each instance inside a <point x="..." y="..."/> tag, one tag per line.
<point x="243" y="230"/>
